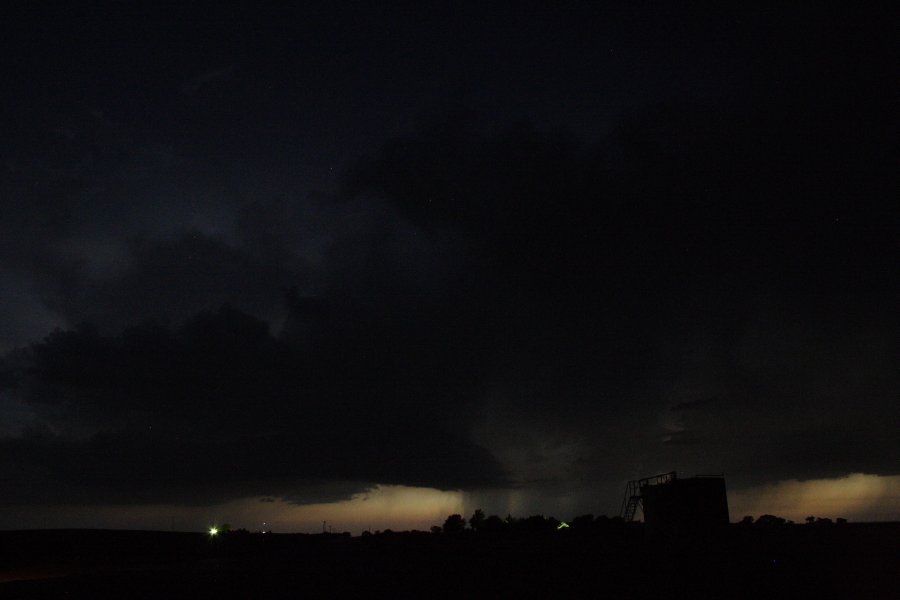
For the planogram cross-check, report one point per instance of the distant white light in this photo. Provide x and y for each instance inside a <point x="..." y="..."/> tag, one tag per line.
<point x="213" y="531"/>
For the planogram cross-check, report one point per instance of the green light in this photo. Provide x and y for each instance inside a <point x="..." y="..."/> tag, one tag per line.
<point x="562" y="525"/>
<point x="213" y="531"/>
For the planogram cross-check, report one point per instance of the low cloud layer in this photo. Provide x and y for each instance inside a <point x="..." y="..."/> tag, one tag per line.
<point x="220" y="407"/>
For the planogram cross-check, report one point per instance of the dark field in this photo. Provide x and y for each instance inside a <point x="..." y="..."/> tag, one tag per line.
<point x="846" y="561"/>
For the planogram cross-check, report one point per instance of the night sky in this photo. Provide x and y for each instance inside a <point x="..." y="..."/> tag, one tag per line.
<point x="374" y="265"/>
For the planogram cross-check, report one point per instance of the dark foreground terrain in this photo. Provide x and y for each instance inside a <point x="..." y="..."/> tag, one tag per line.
<point x="847" y="561"/>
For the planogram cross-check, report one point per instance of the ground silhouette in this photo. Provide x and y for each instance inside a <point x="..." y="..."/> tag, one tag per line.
<point x="529" y="557"/>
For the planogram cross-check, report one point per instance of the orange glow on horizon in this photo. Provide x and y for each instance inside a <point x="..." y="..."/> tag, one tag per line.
<point x="856" y="497"/>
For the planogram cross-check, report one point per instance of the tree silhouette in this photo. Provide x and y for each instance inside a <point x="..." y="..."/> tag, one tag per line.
<point x="770" y="521"/>
<point x="493" y="524"/>
<point x="583" y="522"/>
<point x="454" y="524"/>
<point x="476" y="522"/>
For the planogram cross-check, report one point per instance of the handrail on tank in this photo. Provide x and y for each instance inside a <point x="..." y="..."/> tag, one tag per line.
<point x="658" y="479"/>
<point x="632" y="498"/>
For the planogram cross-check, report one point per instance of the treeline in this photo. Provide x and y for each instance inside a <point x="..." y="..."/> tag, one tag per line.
<point x="481" y="523"/>
<point x="771" y="521"/>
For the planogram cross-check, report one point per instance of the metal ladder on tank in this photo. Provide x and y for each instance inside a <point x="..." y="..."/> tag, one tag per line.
<point x="631" y="501"/>
<point x="632" y="498"/>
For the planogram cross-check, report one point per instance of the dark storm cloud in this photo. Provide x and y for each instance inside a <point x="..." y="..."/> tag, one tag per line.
<point x="695" y="404"/>
<point x="169" y="280"/>
<point x="206" y="78"/>
<point x="220" y="408"/>
<point x="806" y="383"/>
<point x="573" y="307"/>
<point x="652" y="272"/>
<point x="98" y="223"/>
<point x="705" y="282"/>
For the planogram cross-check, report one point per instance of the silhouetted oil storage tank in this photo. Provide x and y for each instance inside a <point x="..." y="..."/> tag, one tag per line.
<point x="682" y="507"/>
